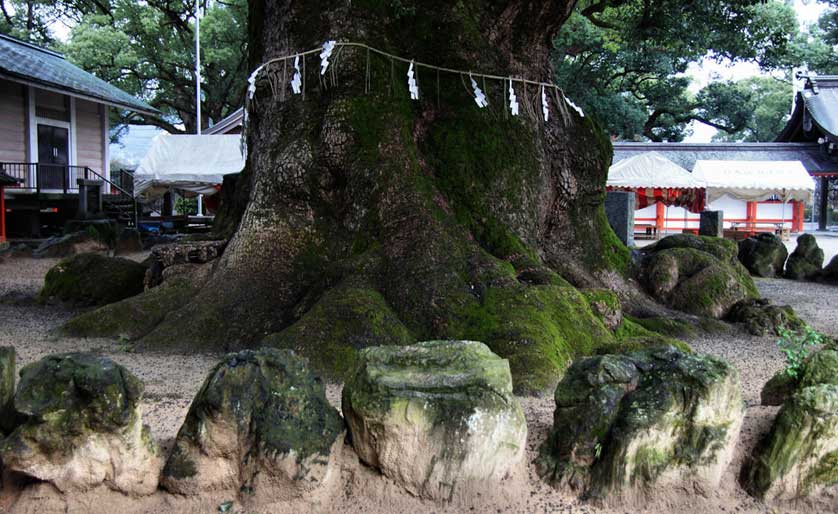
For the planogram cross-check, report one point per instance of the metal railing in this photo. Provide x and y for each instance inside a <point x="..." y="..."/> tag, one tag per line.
<point x="57" y="178"/>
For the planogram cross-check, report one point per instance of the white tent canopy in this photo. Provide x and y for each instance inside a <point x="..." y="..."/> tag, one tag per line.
<point x="755" y="181"/>
<point x="651" y="170"/>
<point x="188" y="162"/>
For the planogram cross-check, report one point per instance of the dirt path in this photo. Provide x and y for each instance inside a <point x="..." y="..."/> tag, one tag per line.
<point x="172" y="380"/>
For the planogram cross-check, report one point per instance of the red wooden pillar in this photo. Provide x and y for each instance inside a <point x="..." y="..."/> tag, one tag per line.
<point x="2" y="214"/>
<point x="797" y="216"/>
<point x="660" y="221"/>
<point x="751" y="211"/>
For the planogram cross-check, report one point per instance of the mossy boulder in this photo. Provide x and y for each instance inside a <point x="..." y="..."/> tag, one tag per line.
<point x="764" y="255"/>
<point x="435" y="416"/>
<point x="821" y="367"/>
<point x="627" y="424"/>
<point x="760" y="317"/>
<point x="799" y="456"/>
<point x="82" y="426"/>
<point x="696" y="274"/>
<point x="260" y="423"/>
<point x="90" y="279"/>
<point x="806" y="260"/>
<point x="7" y="389"/>
<point x="829" y="273"/>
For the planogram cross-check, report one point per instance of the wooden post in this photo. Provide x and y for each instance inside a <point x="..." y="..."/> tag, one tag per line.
<point x="797" y="216"/>
<point x="824" y="203"/>
<point x="751" y="223"/>
<point x="660" y="219"/>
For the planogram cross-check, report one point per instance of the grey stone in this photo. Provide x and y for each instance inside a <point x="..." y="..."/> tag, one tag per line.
<point x="7" y="389"/>
<point x="712" y="224"/>
<point x="619" y="208"/>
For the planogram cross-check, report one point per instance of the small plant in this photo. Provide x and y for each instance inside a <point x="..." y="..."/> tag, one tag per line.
<point x="597" y="450"/>
<point x="186" y="206"/>
<point x="795" y="345"/>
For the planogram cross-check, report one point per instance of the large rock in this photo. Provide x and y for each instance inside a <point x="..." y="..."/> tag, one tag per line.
<point x="260" y="423"/>
<point x="7" y="389"/>
<point x="760" y="317"/>
<point x="819" y="368"/>
<point x="83" y="427"/>
<point x="829" y="273"/>
<point x="806" y="260"/>
<point x="628" y="424"/>
<point x="93" y="279"/>
<point x="697" y="275"/>
<point x="763" y="255"/>
<point x="70" y="244"/>
<point x="799" y="456"/>
<point x="435" y="416"/>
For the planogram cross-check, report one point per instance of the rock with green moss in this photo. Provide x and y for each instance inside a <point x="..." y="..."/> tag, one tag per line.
<point x="83" y="426"/>
<point x="799" y="457"/>
<point x="806" y="260"/>
<point x="695" y="274"/>
<point x="435" y="416"/>
<point x="761" y="318"/>
<point x="7" y="389"/>
<point x="829" y="273"/>
<point x="260" y="423"/>
<point x="91" y="279"/>
<point x="778" y="389"/>
<point x="628" y="424"/>
<point x="821" y="367"/>
<point x="764" y="255"/>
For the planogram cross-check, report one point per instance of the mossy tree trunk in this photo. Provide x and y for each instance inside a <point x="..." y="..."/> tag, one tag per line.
<point x="369" y="218"/>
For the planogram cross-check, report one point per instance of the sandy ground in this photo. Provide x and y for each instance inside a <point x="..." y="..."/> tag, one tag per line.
<point x="172" y="380"/>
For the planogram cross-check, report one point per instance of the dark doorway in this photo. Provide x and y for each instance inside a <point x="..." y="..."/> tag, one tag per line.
<point x="53" y="157"/>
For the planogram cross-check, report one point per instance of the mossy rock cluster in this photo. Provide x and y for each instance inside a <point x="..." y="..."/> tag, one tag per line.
<point x="81" y="426"/>
<point x="435" y="416"/>
<point x="260" y="423"/>
<point x="8" y="416"/>
<point x="806" y="260"/>
<point x="764" y="255"/>
<point x="761" y="318"/>
<point x="627" y="424"/>
<point x="696" y="274"/>
<point x="829" y="273"/>
<point x="798" y="459"/>
<point x="91" y="279"/>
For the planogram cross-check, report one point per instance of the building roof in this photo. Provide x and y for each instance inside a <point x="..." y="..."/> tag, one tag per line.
<point x="229" y="125"/>
<point x="811" y="155"/>
<point x="29" y="64"/>
<point x="815" y="113"/>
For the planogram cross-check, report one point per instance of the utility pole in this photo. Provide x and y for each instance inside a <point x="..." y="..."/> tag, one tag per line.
<point x="198" y="86"/>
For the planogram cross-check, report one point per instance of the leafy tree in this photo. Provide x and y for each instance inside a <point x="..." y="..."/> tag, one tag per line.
<point x="768" y="100"/>
<point x="147" y="49"/>
<point x="625" y="60"/>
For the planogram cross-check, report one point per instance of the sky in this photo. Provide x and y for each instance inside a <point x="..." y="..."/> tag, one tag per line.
<point x="709" y="70"/>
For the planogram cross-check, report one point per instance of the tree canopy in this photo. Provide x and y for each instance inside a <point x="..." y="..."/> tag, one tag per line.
<point x="626" y="61"/>
<point x="147" y="49"/>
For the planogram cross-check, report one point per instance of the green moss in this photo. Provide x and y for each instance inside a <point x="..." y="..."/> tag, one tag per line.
<point x="826" y="471"/>
<point x="539" y="329"/>
<point x="649" y="462"/>
<point x="666" y="326"/>
<point x="133" y="317"/>
<point x="345" y="320"/>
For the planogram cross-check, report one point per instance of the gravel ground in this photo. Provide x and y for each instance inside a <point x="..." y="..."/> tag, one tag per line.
<point x="172" y="380"/>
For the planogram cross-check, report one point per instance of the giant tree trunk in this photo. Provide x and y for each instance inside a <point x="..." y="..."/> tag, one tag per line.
<point x="368" y="218"/>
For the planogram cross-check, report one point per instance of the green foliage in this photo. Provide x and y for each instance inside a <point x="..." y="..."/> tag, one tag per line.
<point x="147" y="49"/>
<point x="186" y="206"/>
<point x="625" y="61"/>
<point x="796" y="345"/>
<point x="766" y="100"/>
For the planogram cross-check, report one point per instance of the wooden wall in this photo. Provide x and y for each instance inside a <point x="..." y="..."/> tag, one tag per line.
<point x="89" y="135"/>
<point x="12" y="122"/>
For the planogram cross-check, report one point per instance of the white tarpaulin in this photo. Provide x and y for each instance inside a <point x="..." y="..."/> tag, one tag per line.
<point x="192" y="163"/>
<point x="755" y="181"/>
<point x="651" y="170"/>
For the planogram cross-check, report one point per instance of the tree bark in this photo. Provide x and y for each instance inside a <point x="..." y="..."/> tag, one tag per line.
<point x="364" y="217"/>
